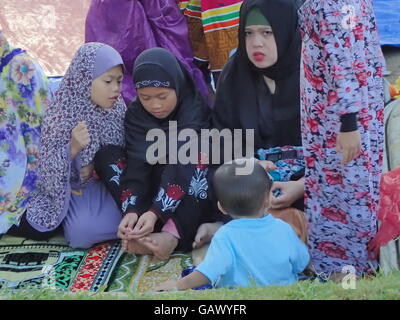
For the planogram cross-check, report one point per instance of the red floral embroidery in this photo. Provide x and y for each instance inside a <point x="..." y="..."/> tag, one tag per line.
<point x="126" y="194"/>
<point x="175" y="192"/>
<point x="121" y="164"/>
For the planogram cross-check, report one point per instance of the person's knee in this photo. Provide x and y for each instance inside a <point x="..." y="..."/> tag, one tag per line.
<point x="80" y="235"/>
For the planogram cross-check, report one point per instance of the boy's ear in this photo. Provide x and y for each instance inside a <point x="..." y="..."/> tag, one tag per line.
<point x="221" y="208"/>
<point x="267" y="201"/>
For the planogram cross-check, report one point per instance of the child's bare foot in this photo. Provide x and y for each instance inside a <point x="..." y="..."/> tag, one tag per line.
<point x="161" y="244"/>
<point x="135" y="246"/>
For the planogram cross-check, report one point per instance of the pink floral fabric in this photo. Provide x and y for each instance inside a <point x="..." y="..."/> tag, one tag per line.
<point x="341" y="73"/>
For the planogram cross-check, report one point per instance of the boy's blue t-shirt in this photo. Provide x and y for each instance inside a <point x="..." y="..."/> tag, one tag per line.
<point x="254" y="252"/>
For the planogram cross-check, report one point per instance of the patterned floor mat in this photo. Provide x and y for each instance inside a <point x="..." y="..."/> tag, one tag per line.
<point x="53" y="264"/>
<point x="142" y="273"/>
<point x="31" y="264"/>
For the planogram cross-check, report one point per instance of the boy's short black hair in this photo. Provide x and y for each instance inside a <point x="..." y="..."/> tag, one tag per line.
<point x="241" y="194"/>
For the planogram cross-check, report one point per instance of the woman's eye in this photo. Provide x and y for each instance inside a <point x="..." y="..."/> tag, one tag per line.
<point x="107" y="81"/>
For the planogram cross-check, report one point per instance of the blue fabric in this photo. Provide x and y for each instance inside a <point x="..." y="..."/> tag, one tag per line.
<point x="7" y="58"/>
<point x="387" y="16"/>
<point x="286" y="168"/>
<point x="254" y="252"/>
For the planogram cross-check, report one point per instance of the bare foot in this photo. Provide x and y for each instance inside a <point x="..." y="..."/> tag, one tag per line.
<point x="135" y="246"/>
<point x="161" y="244"/>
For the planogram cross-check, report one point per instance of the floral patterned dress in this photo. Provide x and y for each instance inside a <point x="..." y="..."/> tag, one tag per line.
<point x="341" y="73"/>
<point x="23" y="95"/>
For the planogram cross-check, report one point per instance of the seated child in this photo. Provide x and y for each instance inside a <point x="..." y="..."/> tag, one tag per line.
<point x="254" y="249"/>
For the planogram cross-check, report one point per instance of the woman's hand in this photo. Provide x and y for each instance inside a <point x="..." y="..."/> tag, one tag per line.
<point x="144" y="226"/>
<point x="86" y="172"/>
<point x="290" y="191"/>
<point x="267" y="165"/>
<point x="126" y="225"/>
<point x="349" y="144"/>
<point x="80" y="138"/>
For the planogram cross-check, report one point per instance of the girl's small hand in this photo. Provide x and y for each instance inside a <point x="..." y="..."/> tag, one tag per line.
<point x="126" y="225"/>
<point x="86" y="172"/>
<point x="144" y="226"/>
<point x="80" y="138"/>
<point x="349" y="144"/>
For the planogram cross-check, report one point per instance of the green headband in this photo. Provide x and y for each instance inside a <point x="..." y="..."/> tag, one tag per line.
<point x="255" y="17"/>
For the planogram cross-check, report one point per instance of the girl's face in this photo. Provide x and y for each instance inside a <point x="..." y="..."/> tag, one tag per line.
<point x="107" y="87"/>
<point x="160" y="102"/>
<point x="261" y="46"/>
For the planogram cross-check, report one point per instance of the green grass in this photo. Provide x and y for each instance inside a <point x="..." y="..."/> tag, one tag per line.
<point x="382" y="287"/>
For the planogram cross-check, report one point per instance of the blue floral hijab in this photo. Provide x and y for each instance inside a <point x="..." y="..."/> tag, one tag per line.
<point x="23" y="96"/>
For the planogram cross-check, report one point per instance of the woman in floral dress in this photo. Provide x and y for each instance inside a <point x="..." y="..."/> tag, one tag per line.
<point x="342" y="130"/>
<point x="23" y="96"/>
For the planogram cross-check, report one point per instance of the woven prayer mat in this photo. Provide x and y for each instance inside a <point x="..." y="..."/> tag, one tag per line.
<point x="52" y="264"/>
<point x="141" y="273"/>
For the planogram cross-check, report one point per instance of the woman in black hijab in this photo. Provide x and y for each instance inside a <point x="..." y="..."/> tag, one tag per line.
<point x="259" y="89"/>
<point x="154" y="190"/>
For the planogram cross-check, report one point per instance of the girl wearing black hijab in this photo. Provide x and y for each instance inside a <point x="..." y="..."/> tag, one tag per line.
<point x="259" y="89"/>
<point x="156" y="194"/>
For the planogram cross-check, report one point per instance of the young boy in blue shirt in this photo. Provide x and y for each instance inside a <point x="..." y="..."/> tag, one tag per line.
<point x="254" y="249"/>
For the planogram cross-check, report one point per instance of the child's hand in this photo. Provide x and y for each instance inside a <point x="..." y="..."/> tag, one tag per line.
<point x="205" y="233"/>
<point x="80" y="138"/>
<point x="290" y="191"/>
<point x="144" y="226"/>
<point x="126" y="225"/>
<point x="349" y="144"/>
<point x="169" y="285"/>
<point x="267" y="165"/>
<point x="86" y="172"/>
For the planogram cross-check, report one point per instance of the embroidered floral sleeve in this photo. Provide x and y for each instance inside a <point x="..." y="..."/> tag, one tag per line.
<point x="177" y="182"/>
<point x="135" y="186"/>
<point x="173" y="188"/>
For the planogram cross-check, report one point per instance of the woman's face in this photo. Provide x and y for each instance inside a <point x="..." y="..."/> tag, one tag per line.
<point x="261" y="46"/>
<point x="160" y="102"/>
<point x="107" y="87"/>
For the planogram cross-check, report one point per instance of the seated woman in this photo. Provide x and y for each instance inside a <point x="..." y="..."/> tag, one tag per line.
<point x="23" y="97"/>
<point x="136" y="25"/>
<point x="163" y="200"/>
<point x="87" y="113"/>
<point x="259" y="89"/>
